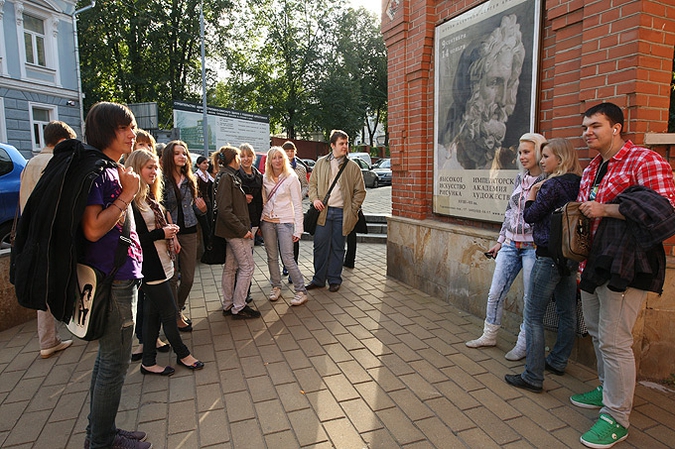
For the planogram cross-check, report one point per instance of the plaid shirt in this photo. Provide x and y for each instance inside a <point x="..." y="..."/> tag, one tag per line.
<point x="632" y="165"/>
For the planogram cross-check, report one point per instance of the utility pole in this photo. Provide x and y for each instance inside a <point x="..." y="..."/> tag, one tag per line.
<point x="205" y="119"/>
<point x="77" y="64"/>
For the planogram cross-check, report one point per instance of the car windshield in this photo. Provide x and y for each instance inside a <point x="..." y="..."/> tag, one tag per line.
<point x="383" y="163"/>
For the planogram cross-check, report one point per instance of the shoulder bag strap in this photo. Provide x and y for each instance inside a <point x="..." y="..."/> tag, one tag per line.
<point x="123" y="243"/>
<point x="276" y="186"/>
<point x="330" y="189"/>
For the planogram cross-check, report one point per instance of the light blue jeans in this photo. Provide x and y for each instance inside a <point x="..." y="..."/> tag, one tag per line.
<point x="329" y="249"/>
<point x="279" y="236"/>
<point x="238" y="263"/>
<point x="110" y="367"/>
<point x="610" y="317"/>
<point x="547" y="283"/>
<point x="510" y="260"/>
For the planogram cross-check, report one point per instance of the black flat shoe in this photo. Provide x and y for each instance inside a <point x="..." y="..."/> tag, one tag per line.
<point x="517" y="381"/>
<point x="168" y="371"/>
<point x="187" y="328"/>
<point x="334" y="287"/>
<point x="194" y="367"/>
<point x="312" y="286"/>
<point x="136" y="357"/>
<point x="164" y="348"/>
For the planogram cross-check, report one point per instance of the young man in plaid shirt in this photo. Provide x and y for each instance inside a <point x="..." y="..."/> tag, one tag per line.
<point x="611" y="312"/>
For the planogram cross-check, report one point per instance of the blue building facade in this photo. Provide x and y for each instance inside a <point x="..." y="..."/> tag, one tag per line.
<point x="38" y="74"/>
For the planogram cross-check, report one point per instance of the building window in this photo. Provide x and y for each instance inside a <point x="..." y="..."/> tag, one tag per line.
<point x="34" y="39"/>
<point x="40" y="117"/>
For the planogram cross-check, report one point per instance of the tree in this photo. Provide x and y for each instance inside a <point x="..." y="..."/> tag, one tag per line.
<point x="360" y="54"/>
<point x="311" y="65"/>
<point x="145" y="50"/>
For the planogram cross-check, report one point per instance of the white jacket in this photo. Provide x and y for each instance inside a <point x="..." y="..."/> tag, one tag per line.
<point x="285" y="205"/>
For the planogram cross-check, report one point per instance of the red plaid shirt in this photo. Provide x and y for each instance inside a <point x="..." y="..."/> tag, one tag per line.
<point x="632" y="165"/>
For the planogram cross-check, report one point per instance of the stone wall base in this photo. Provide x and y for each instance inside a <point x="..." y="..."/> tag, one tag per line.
<point x="447" y="261"/>
<point x="11" y="313"/>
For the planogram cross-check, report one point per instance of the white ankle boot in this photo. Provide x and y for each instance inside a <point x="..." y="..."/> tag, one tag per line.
<point x="519" y="351"/>
<point x="489" y="337"/>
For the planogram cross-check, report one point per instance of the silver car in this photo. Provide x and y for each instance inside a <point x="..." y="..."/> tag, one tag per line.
<point x="370" y="178"/>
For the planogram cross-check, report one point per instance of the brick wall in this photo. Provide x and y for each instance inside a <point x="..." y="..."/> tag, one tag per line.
<point x="589" y="52"/>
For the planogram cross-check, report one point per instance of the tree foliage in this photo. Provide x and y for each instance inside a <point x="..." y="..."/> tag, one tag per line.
<point x="135" y="51"/>
<point x="311" y="65"/>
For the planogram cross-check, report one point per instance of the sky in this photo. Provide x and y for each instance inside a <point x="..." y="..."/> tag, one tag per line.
<point x="372" y="5"/>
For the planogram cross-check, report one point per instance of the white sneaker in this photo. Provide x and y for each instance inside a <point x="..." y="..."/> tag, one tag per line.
<point x="299" y="299"/>
<point x="46" y="353"/>
<point x="275" y="294"/>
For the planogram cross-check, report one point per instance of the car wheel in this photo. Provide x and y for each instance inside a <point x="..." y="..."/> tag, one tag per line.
<point x="5" y="232"/>
<point x="375" y="184"/>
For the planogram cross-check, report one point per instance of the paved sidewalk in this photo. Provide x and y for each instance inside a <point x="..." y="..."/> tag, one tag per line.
<point x="377" y="364"/>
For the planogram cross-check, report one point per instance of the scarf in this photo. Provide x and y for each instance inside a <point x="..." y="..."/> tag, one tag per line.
<point x="160" y="222"/>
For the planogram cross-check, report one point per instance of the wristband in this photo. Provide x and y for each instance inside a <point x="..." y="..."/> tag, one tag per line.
<point x="113" y="204"/>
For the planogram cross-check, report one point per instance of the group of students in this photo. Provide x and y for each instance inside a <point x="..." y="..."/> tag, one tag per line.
<point x="628" y="194"/>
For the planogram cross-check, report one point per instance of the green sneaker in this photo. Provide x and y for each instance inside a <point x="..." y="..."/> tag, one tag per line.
<point x="605" y="433"/>
<point x="590" y="399"/>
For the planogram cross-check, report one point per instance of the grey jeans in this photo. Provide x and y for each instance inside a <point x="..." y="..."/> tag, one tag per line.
<point x="238" y="264"/>
<point x="610" y="317"/>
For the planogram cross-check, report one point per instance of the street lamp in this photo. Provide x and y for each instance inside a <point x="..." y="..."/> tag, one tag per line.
<point x="77" y="63"/>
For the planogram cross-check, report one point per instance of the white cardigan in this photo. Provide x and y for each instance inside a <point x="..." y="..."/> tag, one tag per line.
<point x="285" y="205"/>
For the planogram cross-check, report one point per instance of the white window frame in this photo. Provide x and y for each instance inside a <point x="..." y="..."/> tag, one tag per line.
<point x="51" y="23"/>
<point x="53" y="115"/>
<point x="36" y="37"/>
<point x="3" y="49"/>
<point x="3" y="126"/>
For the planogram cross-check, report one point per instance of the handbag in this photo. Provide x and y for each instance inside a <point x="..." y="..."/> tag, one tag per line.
<point x="570" y="233"/>
<point x="361" y="225"/>
<point x="551" y="318"/>
<point x="214" y="252"/>
<point x="312" y="215"/>
<point x="92" y="303"/>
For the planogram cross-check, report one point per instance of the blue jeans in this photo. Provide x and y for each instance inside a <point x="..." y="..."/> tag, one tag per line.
<point x="510" y="260"/>
<point x="110" y="367"/>
<point x="329" y="249"/>
<point x="279" y="237"/>
<point x="546" y="284"/>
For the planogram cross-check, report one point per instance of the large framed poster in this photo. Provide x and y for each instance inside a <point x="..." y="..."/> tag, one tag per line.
<point x="486" y="62"/>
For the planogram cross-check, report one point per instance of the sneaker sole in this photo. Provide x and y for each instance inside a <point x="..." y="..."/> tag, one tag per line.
<point x="299" y="303"/>
<point x="584" y="405"/>
<point x="601" y="446"/>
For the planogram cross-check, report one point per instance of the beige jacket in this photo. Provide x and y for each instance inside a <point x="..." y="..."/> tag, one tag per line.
<point x="350" y="184"/>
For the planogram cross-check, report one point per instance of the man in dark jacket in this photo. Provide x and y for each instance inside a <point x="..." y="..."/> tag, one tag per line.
<point x="610" y="311"/>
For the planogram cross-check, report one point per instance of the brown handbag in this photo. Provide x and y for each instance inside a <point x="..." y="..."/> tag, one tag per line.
<point x="570" y="232"/>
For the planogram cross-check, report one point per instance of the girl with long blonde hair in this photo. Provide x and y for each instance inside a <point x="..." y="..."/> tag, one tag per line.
<point x="560" y="162"/>
<point x="160" y="244"/>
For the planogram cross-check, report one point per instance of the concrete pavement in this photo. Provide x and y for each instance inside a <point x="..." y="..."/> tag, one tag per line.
<point x="377" y="364"/>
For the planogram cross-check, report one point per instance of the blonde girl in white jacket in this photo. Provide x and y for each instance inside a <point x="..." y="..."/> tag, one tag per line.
<point x="281" y="222"/>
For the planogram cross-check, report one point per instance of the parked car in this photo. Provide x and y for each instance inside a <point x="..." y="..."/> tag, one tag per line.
<point x="363" y="156"/>
<point x="11" y="165"/>
<point x="383" y="170"/>
<point x="370" y="178"/>
<point x="309" y="163"/>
